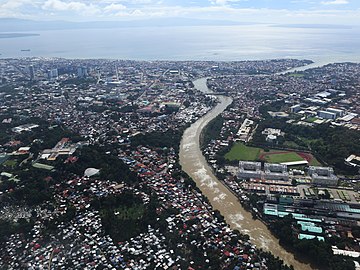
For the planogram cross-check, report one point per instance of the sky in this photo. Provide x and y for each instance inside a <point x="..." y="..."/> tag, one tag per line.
<point x="257" y="11"/>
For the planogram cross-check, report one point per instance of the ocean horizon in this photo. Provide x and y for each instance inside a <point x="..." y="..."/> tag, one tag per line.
<point x="203" y="43"/>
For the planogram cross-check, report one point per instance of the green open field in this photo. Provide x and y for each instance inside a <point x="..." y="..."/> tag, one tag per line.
<point x="311" y="119"/>
<point x="282" y="157"/>
<point x="10" y="163"/>
<point x="242" y="152"/>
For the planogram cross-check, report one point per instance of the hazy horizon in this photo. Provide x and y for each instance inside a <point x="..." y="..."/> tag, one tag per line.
<point x="203" y="42"/>
<point x="181" y="30"/>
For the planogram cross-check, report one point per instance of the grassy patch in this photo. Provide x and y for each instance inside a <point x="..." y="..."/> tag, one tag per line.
<point x="311" y="119"/>
<point x="283" y="157"/>
<point x="242" y="152"/>
<point x="10" y="163"/>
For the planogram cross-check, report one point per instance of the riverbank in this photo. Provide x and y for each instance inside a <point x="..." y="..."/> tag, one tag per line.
<point x="221" y="198"/>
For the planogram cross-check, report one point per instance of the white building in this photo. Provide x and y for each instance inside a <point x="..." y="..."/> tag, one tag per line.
<point x="275" y="172"/>
<point x="326" y="115"/>
<point x="323" y="176"/>
<point x="273" y="131"/>
<point x="249" y="170"/>
<point x="338" y="112"/>
<point x="272" y="134"/>
<point x="271" y="171"/>
<point x="353" y="160"/>
<point x="244" y="131"/>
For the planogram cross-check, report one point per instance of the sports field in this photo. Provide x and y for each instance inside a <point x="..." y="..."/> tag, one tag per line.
<point x="242" y="152"/>
<point x="279" y="157"/>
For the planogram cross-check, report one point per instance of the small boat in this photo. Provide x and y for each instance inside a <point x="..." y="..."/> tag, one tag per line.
<point x="25" y="50"/>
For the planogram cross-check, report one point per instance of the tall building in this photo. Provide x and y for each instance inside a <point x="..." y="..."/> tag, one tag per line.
<point x="53" y="74"/>
<point x="82" y="72"/>
<point x="32" y="72"/>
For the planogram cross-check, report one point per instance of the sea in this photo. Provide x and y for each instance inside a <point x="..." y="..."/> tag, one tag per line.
<point x="219" y="43"/>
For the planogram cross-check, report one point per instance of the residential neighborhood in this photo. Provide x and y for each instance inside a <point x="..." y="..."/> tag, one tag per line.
<point x="91" y="176"/>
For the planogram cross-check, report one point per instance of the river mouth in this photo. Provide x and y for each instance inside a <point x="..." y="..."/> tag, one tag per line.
<point x="221" y="198"/>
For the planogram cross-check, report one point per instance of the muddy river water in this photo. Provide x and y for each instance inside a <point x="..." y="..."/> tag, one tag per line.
<point x="194" y="164"/>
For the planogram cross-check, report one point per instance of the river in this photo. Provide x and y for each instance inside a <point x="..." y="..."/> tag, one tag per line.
<point x="195" y="165"/>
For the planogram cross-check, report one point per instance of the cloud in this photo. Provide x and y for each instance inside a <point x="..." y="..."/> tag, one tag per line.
<point x="265" y="11"/>
<point x="18" y="8"/>
<point x="114" y="7"/>
<point x="14" y="4"/>
<point x="335" y="2"/>
<point x="225" y="2"/>
<point x="302" y="2"/>
<point x="58" y="5"/>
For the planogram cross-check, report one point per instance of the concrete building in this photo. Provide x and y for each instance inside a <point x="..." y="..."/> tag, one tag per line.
<point x="244" y="131"/>
<point x="275" y="172"/>
<point x="323" y="176"/>
<point x="53" y="74"/>
<point x="31" y="72"/>
<point x="353" y="160"/>
<point x="272" y="134"/>
<point x="82" y="72"/>
<point x="338" y="112"/>
<point x="295" y="109"/>
<point x="249" y="170"/>
<point x="271" y="138"/>
<point x="326" y="115"/>
<point x="273" y="131"/>
<point x="324" y="94"/>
